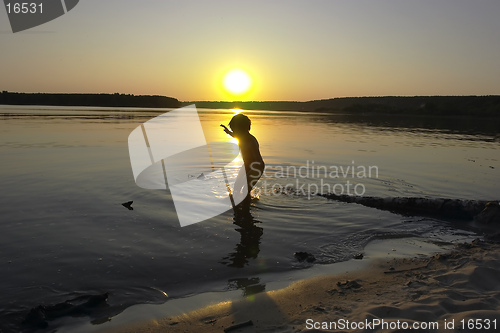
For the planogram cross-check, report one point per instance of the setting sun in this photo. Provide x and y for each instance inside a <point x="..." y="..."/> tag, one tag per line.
<point x="237" y="82"/>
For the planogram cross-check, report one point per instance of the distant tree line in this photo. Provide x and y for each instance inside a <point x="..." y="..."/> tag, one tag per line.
<point x="485" y="106"/>
<point x="252" y="105"/>
<point x="106" y="100"/>
<point x="482" y="106"/>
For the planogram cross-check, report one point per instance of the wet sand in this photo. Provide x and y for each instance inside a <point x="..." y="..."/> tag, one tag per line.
<point x="460" y="287"/>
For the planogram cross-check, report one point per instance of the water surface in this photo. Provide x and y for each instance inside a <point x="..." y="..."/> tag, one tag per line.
<point x="66" y="172"/>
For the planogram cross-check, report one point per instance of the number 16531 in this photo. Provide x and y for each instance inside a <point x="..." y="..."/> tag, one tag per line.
<point x="24" y="8"/>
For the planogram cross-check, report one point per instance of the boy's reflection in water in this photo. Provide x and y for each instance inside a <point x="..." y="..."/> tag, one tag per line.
<point x="250" y="233"/>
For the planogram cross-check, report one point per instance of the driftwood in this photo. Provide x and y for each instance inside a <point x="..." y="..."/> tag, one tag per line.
<point x="484" y="212"/>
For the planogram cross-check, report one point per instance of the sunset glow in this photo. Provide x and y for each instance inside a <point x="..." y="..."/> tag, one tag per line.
<point x="297" y="52"/>
<point x="237" y="82"/>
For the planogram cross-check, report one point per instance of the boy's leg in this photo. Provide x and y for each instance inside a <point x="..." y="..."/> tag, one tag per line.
<point x="251" y="179"/>
<point x="240" y="190"/>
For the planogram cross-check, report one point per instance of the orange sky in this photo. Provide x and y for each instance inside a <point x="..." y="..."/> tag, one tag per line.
<point x="293" y="50"/>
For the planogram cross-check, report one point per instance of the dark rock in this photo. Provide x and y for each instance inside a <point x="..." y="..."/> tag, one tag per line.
<point x="40" y="316"/>
<point x="358" y="256"/>
<point x="304" y="256"/>
<point x="349" y="285"/>
<point x="490" y="214"/>
<point x="128" y="205"/>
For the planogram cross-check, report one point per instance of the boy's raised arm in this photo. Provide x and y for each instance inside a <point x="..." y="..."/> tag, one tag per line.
<point x="227" y="130"/>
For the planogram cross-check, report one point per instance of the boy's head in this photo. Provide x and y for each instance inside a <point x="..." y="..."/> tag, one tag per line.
<point x="240" y="123"/>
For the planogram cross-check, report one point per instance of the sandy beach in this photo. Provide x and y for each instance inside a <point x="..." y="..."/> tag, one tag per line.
<point x="451" y="291"/>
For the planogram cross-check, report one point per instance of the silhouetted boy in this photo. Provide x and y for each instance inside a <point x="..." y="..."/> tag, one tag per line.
<point x="252" y="160"/>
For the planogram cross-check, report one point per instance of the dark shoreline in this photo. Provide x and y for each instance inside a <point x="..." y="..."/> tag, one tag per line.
<point x="483" y="106"/>
<point x="103" y="100"/>
<point x="443" y="106"/>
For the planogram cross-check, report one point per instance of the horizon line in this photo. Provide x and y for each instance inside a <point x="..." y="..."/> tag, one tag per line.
<point x="247" y="101"/>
